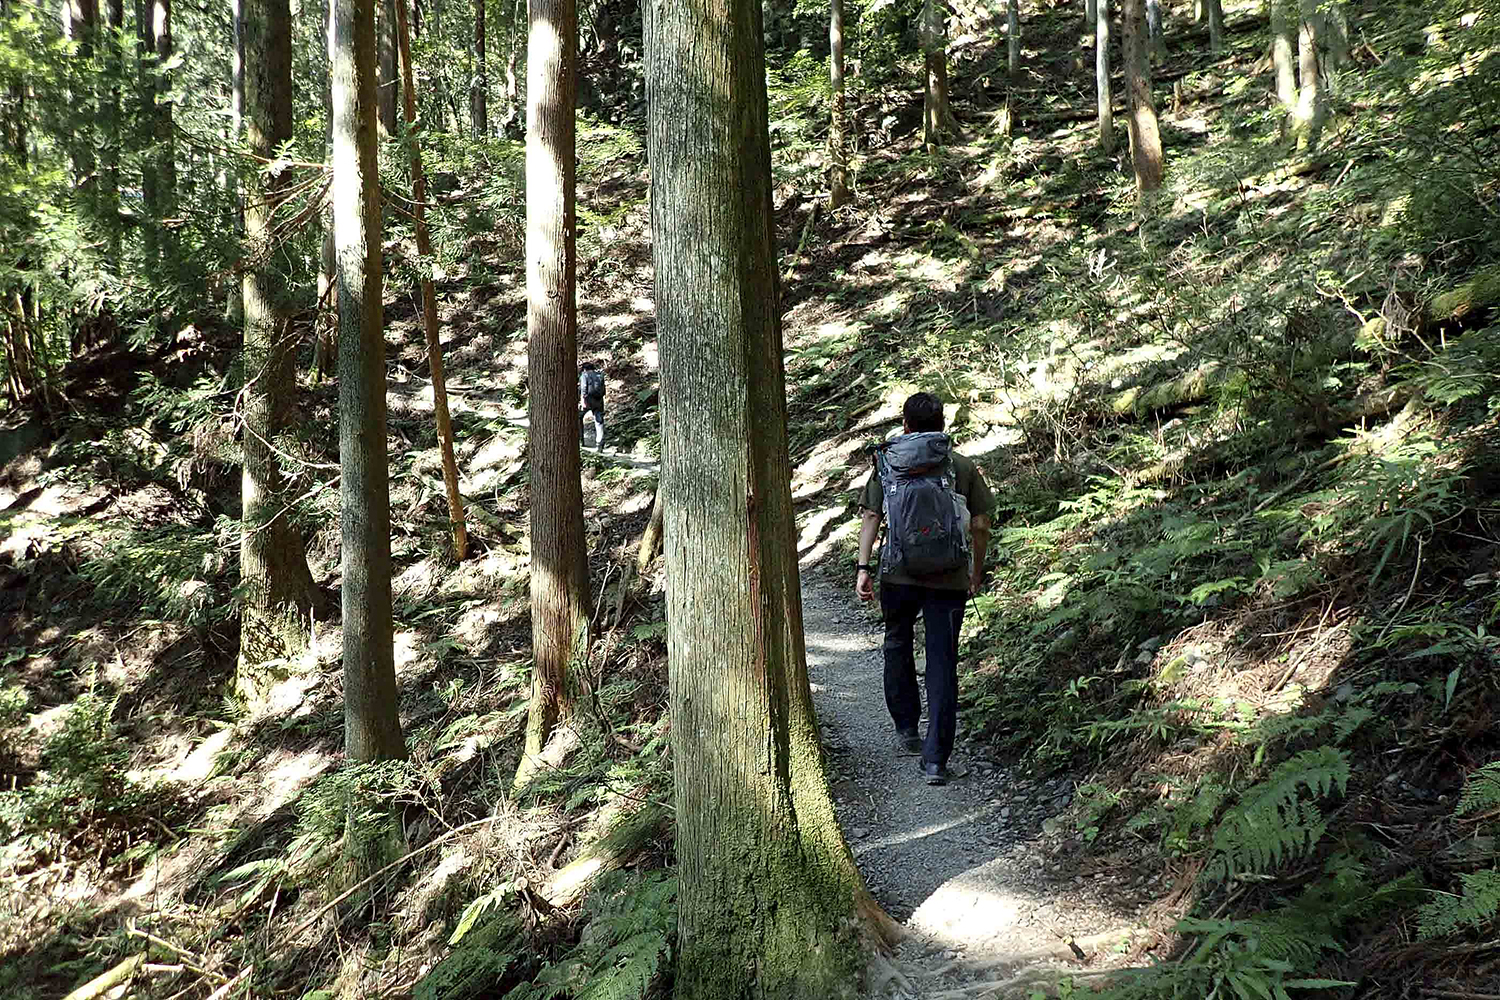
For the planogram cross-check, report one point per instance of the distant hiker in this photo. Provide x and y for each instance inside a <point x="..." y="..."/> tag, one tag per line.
<point x="591" y="399"/>
<point x="937" y="510"/>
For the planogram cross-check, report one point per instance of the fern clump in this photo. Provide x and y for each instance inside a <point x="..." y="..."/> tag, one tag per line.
<point x="1476" y="906"/>
<point x="626" y="942"/>
<point x="1272" y="822"/>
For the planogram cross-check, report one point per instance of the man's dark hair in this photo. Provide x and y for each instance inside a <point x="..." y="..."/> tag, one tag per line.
<point x="922" y="411"/>
<point x="587" y="366"/>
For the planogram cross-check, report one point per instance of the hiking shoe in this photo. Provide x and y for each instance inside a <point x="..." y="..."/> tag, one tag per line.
<point x="908" y="742"/>
<point x="936" y="774"/>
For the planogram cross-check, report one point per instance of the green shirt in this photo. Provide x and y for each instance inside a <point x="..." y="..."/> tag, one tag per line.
<point x="969" y="482"/>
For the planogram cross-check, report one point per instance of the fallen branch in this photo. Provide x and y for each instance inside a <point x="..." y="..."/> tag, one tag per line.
<point x="107" y="981"/>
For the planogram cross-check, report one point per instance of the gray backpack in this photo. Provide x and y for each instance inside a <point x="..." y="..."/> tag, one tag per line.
<point x="927" y="519"/>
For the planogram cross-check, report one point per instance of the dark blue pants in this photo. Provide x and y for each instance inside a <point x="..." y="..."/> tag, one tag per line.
<point x="943" y="613"/>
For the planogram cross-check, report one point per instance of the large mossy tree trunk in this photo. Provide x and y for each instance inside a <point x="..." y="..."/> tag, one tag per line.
<point x="273" y="562"/>
<point x="559" y="560"/>
<point x="838" y="137"/>
<point x="1145" y="133"/>
<point x="1103" y="91"/>
<point x="770" y="902"/>
<point x="372" y="728"/>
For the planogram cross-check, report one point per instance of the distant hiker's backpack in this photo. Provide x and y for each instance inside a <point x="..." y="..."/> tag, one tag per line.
<point x="927" y="519"/>
<point x="591" y="385"/>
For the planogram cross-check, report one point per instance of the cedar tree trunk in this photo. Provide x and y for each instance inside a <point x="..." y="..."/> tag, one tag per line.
<point x="372" y="728"/>
<point x="1106" y="97"/>
<point x="1145" y="135"/>
<point x="273" y="563"/>
<point x="937" y="116"/>
<point x="479" y="88"/>
<point x="1307" y="117"/>
<point x="770" y="903"/>
<point x="838" y="135"/>
<point x="559" y="560"/>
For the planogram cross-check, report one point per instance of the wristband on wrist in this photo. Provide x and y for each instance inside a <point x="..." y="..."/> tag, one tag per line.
<point x="866" y="567"/>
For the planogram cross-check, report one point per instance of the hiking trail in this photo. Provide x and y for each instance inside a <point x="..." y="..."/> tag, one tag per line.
<point x="962" y="866"/>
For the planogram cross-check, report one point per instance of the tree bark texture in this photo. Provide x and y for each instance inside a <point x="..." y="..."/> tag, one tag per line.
<point x="1307" y="118"/>
<point x="1013" y="37"/>
<point x="114" y="126"/>
<point x="1090" y="16"/>
<point x="234" y="306"/>
<point x="1283" y="28"/>
<point x="1155" y="31"/>
<point x="165" y="158"/>
<point x="1145" y="134"/>
<point x="325" y="349"/>
<point x="1214" y="12"/>
<point x="429" y="297"/>
<point x="559" y="560"/>
<point x="389" y="82"/>
<point x="937" y="115"/>
<point x="273" y="562"/>
<point x="372" y="728"/>
<point x="1101" y="79"/>
<point x="768" y="895"/>
<point x="479" y="88"/>
<point x="838" y="130"/>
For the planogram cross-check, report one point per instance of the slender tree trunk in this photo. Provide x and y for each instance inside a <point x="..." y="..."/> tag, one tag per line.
<point x="559" y="560"/>
<point x="1335" y="29"/>
<point x="752" y="803"/>
<point x="389" y="82"/>
<point x="82" y="23"/>
<point x="1283" y="27"/>
<point x="1155" y="32"/>
<point x="1145" y="135"/>
<point x="273" y="562"/>
<point x="1013" y="37"/>
<point x="480" y="87"/>
<point x="838" y="138"/>
<point x="937" y="115"/>
<point x="372" y="728"/>
<point x="1307" y="119"/>
<point x="325" y="351"/>
<point x="146" y="116"/>
<point x="234" y="308"/>
<point x="114" y="130"/>
<point x="512" y="63"/>
<point x="166" y="142"/>
<point x="429" y="298"/>
<point x="1214" y="11"/>
<point x="1106" y="96"/>
<point x="1090" y="16"/>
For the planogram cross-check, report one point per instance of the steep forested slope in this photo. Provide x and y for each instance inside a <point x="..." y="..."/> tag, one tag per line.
<point x="1246" y="585"/>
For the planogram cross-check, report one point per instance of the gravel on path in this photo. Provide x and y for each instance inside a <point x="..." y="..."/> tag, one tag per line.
<point x="963" y="864"/>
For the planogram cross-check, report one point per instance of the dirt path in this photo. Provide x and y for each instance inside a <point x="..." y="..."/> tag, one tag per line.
<point x="961" y="865"/>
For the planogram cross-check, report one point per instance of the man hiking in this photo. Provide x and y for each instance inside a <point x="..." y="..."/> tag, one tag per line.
<point x="591" y="399"/>
<point x="937" y="510"/>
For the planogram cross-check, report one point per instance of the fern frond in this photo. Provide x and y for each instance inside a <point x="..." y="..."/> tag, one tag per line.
<point x="1272" y="824"/>
<point x="1481" y="790"/>
<point x="1477" y="906"/>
